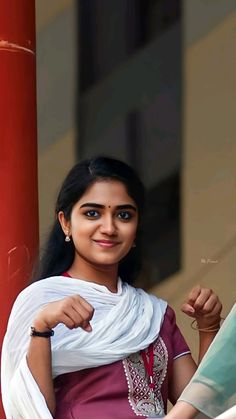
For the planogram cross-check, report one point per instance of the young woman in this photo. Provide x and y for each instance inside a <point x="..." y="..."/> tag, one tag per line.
<point x="98" y="347"/>
<point x="212" y="390"/>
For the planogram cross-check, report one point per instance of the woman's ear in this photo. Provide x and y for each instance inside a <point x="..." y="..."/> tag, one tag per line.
<point x="65" y="224"/>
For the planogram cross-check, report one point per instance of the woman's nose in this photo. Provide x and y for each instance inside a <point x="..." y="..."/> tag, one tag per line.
<point x="108" y="226"/>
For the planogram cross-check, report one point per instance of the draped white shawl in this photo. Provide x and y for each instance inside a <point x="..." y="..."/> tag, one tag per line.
<point x="123" y="323"/>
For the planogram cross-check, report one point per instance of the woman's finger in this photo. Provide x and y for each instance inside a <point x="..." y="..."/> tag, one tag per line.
<point x="202" y="298"/>
<point x="193" y="295"/>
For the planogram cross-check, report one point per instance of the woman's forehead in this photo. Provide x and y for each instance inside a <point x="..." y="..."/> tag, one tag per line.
<point x="107" y="192"/>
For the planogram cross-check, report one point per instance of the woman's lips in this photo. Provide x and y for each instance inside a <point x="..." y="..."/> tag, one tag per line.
<point x="106" y="243"/>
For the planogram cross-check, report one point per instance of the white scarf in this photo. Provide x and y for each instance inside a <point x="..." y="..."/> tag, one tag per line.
<point x="123" y="323"/>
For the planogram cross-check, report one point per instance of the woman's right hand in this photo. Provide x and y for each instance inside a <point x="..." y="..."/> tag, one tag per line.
<point x="72" y="311"/>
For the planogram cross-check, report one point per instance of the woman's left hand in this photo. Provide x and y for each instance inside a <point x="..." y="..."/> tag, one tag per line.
<point x="203" y="305"/>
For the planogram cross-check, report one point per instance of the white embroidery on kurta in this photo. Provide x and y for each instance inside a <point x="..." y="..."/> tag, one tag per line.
<point x="137" y="380"/>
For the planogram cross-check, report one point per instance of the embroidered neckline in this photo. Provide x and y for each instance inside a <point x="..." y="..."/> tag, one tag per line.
<point x="138" y="389"/>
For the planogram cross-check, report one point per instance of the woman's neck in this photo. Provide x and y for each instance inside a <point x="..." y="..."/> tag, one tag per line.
<point x="101" y="275"/>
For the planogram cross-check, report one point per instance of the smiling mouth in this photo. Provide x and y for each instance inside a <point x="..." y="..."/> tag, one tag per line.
<point x="106" y="243"/>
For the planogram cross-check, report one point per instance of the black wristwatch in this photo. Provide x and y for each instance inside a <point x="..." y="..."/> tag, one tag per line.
<point x="34" y="332"/>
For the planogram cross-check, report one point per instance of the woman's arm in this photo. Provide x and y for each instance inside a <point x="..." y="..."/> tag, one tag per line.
<point x="183" y="369"/>
<point x="204" y="307"/>
<point x="182" y="410"/>
<point x="39" y="363"/>
<point x="205" y="339"/>
<point x="73" y="312"/>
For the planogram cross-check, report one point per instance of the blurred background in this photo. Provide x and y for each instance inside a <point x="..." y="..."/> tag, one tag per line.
<point x="151" y="82"/>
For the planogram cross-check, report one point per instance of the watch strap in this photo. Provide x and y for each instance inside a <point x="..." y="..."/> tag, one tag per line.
<point x="47" y="334"/>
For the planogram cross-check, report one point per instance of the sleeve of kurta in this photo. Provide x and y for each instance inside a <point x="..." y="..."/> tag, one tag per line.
<point x="212" y="389"/>
<point x="178" y="343"/>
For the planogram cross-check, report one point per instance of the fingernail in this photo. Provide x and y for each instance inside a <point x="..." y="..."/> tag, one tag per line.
<point x="88" y="328"/>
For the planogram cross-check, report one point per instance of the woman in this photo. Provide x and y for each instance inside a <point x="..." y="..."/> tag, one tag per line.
<point x="99" y="348"/>
<point x="212" y="389"/>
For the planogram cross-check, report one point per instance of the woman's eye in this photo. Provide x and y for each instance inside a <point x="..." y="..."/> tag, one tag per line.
<point x="124" y="215"/>
<point x="92" y="214"/>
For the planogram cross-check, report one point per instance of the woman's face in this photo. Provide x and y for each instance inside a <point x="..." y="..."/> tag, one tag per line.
<point x="103" y="223"/>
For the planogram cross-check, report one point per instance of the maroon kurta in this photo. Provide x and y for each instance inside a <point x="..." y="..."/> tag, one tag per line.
<point x="120" y="390"/>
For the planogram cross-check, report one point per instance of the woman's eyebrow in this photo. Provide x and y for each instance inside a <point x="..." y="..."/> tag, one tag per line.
<point x="126" y="206"/>
<point x="120" y="207"/>
<point x="92" y="204"/>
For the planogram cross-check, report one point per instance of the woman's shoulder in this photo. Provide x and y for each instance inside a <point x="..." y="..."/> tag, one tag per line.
<point x="170" y="315"/>
<point x="37" y="286"/>
<point x="36" y="292"/>
<point x="156" y="300"/>
<point x="32" y="298"/>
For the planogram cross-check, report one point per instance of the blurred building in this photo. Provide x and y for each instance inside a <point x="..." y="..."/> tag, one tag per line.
<point x="153" y="83"/>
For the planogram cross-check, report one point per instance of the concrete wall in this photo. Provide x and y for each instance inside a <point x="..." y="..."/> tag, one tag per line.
<point x="56" y="91"/>
<point x="209" y="170"/>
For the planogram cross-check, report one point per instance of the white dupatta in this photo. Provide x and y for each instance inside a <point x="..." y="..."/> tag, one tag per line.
<point x="123" y="323"/>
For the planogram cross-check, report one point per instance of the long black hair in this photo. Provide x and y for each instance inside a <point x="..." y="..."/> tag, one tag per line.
<point x="58" y="255"/>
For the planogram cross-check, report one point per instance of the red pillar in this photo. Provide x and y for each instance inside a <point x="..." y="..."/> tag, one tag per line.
<point x="18" y="151"/>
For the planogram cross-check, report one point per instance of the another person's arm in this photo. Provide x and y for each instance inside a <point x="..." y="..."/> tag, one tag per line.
<point x="182" y="410"/>
<point x="212" y="389"/>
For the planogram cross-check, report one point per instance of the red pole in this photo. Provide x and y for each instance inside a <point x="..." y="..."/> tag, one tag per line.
<point x="18" y="152"/>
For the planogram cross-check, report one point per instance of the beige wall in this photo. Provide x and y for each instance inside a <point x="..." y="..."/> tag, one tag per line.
<point x="209" y="172"/>
<point x="54" y="163"/>
<point x="56" y="138"/>
<point x="46" y="11"/>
